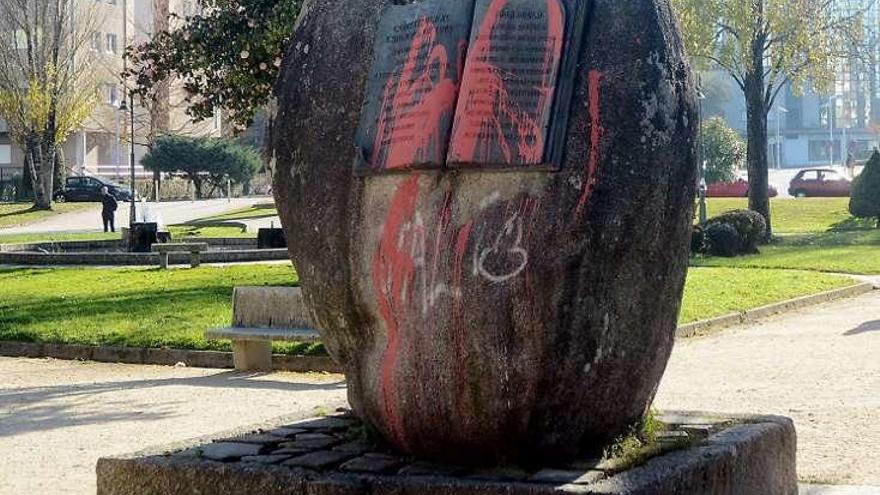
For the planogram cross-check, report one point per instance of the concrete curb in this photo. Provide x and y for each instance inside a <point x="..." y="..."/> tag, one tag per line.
<point x="164" y="357"/>
<point x="706" y="327"/>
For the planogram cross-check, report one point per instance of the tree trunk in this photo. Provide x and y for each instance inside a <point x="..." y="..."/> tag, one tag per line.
<point x="197" y="184"/>
<point x="756" y="152"/>
<point x="40" y="164"/>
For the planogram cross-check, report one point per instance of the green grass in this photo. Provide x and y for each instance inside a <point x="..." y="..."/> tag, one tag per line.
<point x="188" y="230"/>
<point x="177" y="231"/>
<point x="712" y="292"/>
<point x="57" y="237"/>
<point x="262" y="210"/>
<point x="803" y="215"/>
<point x="811" y="234"/>
<point x="173" y="308"/>
<point x="18" y="214"/>
<point x="130" y="307"/>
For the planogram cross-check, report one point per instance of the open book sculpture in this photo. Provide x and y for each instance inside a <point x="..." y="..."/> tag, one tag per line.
<point x="488" y="203"/>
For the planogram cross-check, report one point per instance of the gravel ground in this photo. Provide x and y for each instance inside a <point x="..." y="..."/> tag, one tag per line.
<point x="58" y="417"/>
<point x="820" y="366"/>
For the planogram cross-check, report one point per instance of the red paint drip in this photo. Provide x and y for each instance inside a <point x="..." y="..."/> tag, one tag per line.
<point x="596" y="133"/>
<point x="485" y="105"/>
<point x="393" y="272"/>
<point x="461" y="245"/>
<point x="418" y="100"/>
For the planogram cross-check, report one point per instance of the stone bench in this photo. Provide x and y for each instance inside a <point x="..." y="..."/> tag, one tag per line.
<point x="193" y="248"/>
<point x="260" y="316"/>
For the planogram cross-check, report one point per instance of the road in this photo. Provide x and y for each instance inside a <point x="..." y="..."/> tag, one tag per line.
<point x="820" y="366"/>
<point x="173" y="212"/>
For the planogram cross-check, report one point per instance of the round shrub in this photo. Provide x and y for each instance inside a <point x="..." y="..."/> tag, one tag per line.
<point x="722" y="239"/>
<point x="698" y="240"/>
<point x="865" y="199"/>
<point x="749" y="225"/>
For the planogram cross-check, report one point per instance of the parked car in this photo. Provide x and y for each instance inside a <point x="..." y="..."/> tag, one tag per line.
<point x="84" y="188"/>
<point x="736" y="189"/>
<point x="819" y="182"/>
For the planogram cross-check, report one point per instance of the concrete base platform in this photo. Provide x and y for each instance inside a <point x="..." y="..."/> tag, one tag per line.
<point x="697" y="454"/>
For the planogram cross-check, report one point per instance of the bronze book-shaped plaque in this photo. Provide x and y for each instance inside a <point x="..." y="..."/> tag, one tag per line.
<point x="470" y="84"/>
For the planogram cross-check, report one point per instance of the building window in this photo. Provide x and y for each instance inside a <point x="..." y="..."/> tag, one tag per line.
<point x="111" y="43"/>
<point x="819" y="150"/>
<point x="96" y="41"/>
<point x="112" y="94"/>
<point x="5" y="154"/>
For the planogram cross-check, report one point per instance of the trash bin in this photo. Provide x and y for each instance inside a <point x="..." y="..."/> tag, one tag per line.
<point x="271" y="239"/>
<point x="141" y="236"/>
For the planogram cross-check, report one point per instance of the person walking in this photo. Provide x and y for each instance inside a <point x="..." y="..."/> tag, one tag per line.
<point x="108" y="210"/>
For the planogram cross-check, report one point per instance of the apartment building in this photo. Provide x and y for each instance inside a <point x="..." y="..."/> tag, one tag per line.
<point x="102" y="145"/>
<point x="812" y="128"/>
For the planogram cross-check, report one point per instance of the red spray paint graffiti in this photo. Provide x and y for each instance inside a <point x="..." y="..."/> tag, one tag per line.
<point x="596" y="133"/>
<point x="414" y="104"/>
<point x="491" y="119"/>
<point x="393" y="272"/>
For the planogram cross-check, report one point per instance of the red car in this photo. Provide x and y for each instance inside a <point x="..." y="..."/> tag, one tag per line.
<point x="819" y="182"/>
<point x="736" y="189"/>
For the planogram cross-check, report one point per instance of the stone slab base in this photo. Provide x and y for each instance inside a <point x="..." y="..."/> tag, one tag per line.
<point x="698" y="454"/>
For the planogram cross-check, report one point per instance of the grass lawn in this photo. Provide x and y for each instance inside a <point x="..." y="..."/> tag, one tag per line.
<point x="17" y="214"/>
<point x="186" y="230"/>
<point x="798" y="216"/>
<point x="173" y="308"/>
<point x="811" y="234"/>
<point x="712" y="292"/>
<point x="130" y="307"/>
<point x="178" y="232"/>
<point x="261" y="210"/>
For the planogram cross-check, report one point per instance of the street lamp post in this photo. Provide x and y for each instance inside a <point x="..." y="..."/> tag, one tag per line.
<point x="130" y="107"/>
<point x="779" y="111"/>
<point x="701" y="161"/>
<point x="831" y="129"/>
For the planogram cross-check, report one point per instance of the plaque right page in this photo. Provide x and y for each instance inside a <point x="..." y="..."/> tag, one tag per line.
<point x="510" y="80"/>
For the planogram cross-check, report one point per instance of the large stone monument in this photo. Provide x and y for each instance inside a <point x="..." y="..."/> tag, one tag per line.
<point x="489" y="205"/>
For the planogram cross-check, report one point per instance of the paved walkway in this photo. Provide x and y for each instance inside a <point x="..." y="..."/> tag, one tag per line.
<point x="58" y="417"/>
<point x="820" y="366"/>
<point x="172" y="212"/>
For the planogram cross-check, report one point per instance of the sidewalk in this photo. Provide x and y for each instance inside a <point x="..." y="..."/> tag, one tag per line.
<point x="820" y="366"/>
<point x="58" y="417"/>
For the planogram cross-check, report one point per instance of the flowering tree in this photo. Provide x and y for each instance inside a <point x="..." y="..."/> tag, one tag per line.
<point x="227" y="56"/>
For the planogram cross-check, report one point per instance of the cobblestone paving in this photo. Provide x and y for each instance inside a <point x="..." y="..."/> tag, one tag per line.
<point x="58" y="417"/>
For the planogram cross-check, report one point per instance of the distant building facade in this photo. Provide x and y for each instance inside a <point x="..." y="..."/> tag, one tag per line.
<point x="815" y="129"/>
<point x="101" y="146"/>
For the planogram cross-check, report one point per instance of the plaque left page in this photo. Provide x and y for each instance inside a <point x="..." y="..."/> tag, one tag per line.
<point x="410" y="99"/>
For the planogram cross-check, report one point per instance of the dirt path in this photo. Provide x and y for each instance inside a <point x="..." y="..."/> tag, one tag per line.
<point x="820" y="366"/>
<point x="58" y="417"/>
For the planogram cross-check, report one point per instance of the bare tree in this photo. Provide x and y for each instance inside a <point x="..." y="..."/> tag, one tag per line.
<point x="47" y="86"/>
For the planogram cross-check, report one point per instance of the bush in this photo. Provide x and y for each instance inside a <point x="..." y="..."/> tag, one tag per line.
<point x="698" y="240"/>
<point x="722" y="239"/>
<point x="749" y="225"/>
<point x="725" y="151"/>
<point x="204" y="161"/>
<point x="865" y="199"/>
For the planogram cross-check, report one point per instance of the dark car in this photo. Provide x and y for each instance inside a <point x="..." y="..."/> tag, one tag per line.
<point x="819" y="182"/>
<point x="89" y="189"/>
<point x="736" y="189"/>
